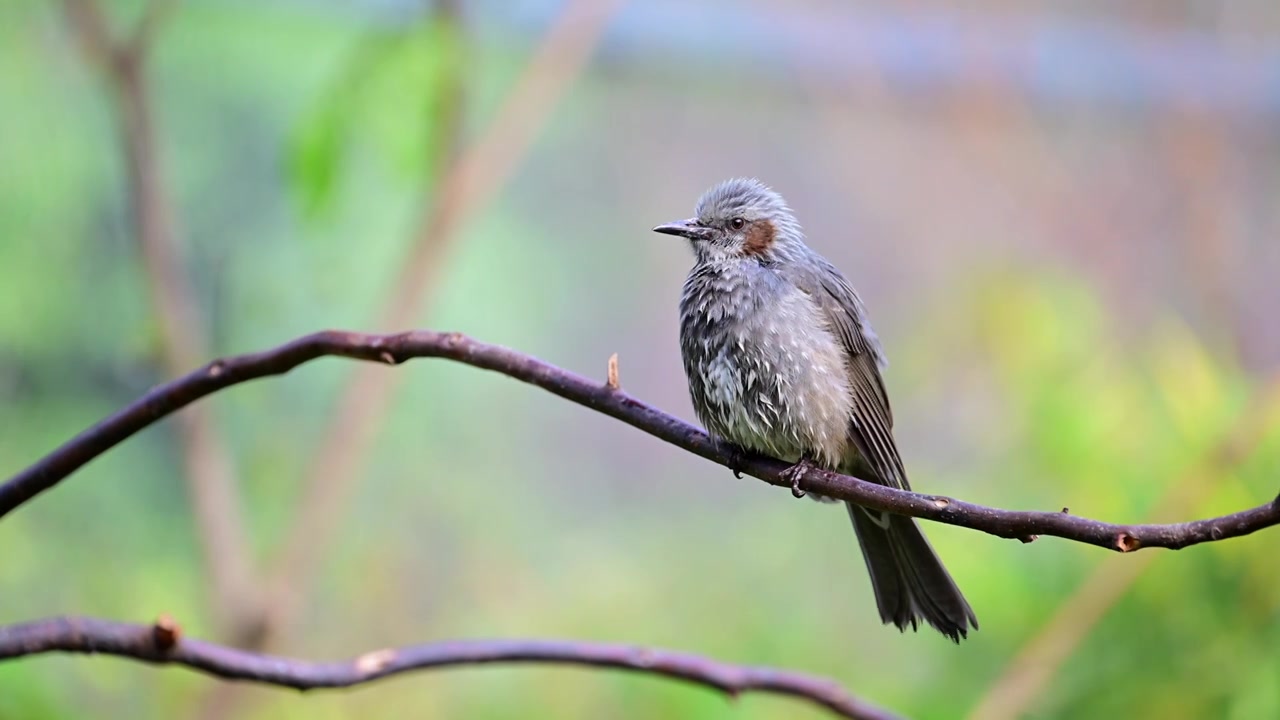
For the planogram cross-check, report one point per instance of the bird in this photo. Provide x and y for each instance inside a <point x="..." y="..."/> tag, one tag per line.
<point x="781" y="360"/>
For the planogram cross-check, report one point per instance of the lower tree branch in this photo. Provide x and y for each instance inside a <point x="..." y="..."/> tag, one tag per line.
<point x="163" y="643"/>
<point x="602" y="397"/>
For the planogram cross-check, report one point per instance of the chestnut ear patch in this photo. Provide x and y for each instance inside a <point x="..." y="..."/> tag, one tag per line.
<point x="758" y="238"/>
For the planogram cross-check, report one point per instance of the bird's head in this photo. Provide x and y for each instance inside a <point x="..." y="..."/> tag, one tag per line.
<point x="740" y="219"/>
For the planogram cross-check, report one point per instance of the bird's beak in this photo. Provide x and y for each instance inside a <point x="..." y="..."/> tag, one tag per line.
<point x="685" y="228"/>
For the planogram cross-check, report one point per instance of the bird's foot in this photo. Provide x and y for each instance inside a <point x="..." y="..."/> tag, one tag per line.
<point x="737" y="458"/>
<point x="795" y="474"/>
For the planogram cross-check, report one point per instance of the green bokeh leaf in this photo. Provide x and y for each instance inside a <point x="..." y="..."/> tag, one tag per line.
<point x="398" y="96"/>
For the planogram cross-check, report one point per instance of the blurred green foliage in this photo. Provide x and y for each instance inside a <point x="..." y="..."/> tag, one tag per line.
<point x="297" y="143"/>
<point x="391" y="93"/>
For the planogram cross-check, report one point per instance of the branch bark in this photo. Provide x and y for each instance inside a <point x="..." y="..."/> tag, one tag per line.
<point x="162" y="643"/>
<point x="601" y="397"/>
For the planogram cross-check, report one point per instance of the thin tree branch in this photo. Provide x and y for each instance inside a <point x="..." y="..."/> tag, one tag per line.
<point x="599" y="396"/>
<point x="210" y="476"/>
<point x="162" y="643"/>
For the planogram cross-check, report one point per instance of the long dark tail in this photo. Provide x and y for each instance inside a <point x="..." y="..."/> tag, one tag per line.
<point x="908" y="578"/>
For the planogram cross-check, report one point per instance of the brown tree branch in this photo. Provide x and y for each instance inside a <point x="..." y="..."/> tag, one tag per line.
<point x="209" y="472"/>
<point x="162" y="643"/>
<point x="599" y="396"/>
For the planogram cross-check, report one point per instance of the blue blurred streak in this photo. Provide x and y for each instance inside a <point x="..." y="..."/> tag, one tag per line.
<point x="1052" y="61"/>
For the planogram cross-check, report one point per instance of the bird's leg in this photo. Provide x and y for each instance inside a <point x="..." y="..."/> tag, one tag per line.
<point x="796" y="472"/>
<point x="737" y="457"/>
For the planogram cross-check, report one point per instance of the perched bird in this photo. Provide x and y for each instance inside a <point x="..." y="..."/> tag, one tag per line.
<point x="782" y="361"/>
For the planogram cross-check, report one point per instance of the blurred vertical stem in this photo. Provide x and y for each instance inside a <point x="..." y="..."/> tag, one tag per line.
<point x="208" y="466"/>
<point x="461" y="184"/>
<point x="1028" y="673"/>
<point x="348" y="439"/>
<point x="466" y="183"/>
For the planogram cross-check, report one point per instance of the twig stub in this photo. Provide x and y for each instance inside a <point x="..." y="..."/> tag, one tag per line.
<point x="166" y="633"/>
<point x="612" y="381"/>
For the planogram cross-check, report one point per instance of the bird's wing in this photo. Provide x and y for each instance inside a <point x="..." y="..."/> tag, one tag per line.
<point x="871" y="428"/>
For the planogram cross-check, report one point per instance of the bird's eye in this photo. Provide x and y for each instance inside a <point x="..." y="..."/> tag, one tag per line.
<point x="737" y="223"/>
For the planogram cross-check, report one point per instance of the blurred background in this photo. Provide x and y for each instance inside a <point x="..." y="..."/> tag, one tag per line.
<point x="1063" y="216"/>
